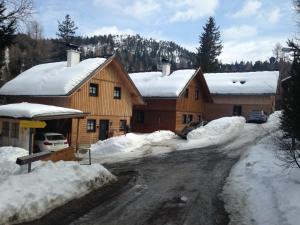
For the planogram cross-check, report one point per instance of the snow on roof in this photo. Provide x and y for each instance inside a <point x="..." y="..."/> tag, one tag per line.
<point x="30" y="110"/>
<point x="154" y="84"/>
<point x="263" y="82"/>
<point x="51" y="78"/>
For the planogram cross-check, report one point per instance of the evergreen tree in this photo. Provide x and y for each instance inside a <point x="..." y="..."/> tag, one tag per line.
<point x="210" y="47"/>
<point x="290" y="121"/>
<point x="66" y="29"/>
<point x="7" y="27"/>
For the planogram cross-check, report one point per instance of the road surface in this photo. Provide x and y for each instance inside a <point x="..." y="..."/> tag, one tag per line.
<point x="177" y="188"/>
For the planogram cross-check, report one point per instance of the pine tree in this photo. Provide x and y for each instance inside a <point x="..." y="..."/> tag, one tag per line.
<point x="7" y="28"/>
<point x="210" y="47"/>
<point x="290" y="120"/>
<point x="66" y="29"/>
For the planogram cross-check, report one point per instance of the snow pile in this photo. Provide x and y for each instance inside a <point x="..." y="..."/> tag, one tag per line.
<point x="259" y="191"/>
<point x="30" y="110"/>
<point x="154" y="84"/>
<point x="8" y="156"/>
<point x="216" y="132"/>
<point x="51" y="78"/>
<point x="26" y="196"/>
<point x="262" y="82"/>
<point x="129" y="142"/>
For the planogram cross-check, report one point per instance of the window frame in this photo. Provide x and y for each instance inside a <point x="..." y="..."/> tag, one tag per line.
<point x="140" y="116"/>
<point x="89" y="125"/>
<point x="119" y="91"/>
<point x="197" y="94"/>
<point x="122" y="125"/>
<point x="186" y="93"/>
<point x="94" y="86"/>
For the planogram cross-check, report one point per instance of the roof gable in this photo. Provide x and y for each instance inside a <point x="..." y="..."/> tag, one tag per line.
<point x="263" y="82"/>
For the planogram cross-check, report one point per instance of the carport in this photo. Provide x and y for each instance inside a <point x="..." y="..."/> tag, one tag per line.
<point x="19" y="122"/>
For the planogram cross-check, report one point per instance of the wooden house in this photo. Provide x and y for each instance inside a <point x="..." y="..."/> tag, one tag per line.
<point x="172" y="99"/>
<point x="97" y="86"/>
<point x="240" y="93"/>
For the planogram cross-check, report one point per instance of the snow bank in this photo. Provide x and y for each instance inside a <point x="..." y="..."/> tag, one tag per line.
<point x="26" y="196"/>
<point x="259" y="191"/>
<point x="216" y="132"/>
<point x="129" y="142"/>
<point x="8" y="156"/>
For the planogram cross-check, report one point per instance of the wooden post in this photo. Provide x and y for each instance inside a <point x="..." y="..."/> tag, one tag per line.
<point x="77" y="135"/>
<point x="30" y="147"/>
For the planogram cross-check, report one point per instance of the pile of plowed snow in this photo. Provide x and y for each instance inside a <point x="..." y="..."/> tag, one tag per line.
<point x="27" y="196"/>
<point x="216" y="132"/>
<point x="129" y="142"/>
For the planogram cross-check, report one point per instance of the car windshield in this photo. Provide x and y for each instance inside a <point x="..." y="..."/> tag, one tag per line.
<point x="55" y="137"/>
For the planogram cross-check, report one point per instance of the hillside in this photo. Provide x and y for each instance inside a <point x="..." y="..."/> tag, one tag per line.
<point x="137" y="53"/>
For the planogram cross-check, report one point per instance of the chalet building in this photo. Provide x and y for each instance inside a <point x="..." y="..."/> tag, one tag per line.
<point x="172" y="99"/>
<point x="97" y="86"/>
<point x="240" y="93"/>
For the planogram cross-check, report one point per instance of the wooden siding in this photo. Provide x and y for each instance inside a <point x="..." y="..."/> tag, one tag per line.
<point x="56" y="101"/>
<point x="104" y="104"/>
<point x="223" y="105"/>
<point x="85" y="137"/>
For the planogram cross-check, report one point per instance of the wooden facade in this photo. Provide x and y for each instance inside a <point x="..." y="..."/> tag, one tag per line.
<point x="173" y="113"/>
<point x="104" y="107"/>
<point x="226" y="105"/>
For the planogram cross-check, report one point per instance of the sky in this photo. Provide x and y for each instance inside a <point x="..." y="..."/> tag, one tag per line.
<point x="249" y="28"/>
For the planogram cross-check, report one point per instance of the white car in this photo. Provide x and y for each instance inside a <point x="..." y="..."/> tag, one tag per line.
<point x="50" y="142"/>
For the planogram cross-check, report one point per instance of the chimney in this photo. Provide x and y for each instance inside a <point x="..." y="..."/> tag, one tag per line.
<point x="73" y="57"/>
<point x="166" y="67"/>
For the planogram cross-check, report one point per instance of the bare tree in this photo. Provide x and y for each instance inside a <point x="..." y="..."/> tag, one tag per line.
<point x="277" y="51"/>
<point x="35" y="30"/>
<point x="21" y="10"/>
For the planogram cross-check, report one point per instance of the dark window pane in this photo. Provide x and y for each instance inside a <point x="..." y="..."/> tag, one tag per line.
<point x="117" y="93"/>
<point x="93" y="90"/>
<point x="91" y="126"/>
<point x="140" y="116"/>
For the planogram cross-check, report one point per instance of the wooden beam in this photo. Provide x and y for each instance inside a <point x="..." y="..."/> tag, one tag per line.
<point x="77" y="135"/>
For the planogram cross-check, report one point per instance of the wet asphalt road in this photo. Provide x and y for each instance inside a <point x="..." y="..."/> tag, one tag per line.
<point x="178" y="188"/>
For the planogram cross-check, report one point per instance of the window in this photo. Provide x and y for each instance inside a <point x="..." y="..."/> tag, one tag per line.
<point x="91" y="126"/>
<point x="197" y="93"/>
<point x="15" y="130"/>
<point x="123" y="124"/>
<point x="190" y="118"/>
<point x="117" y="93"/>
<point x="186" y="93"/>
<point x="237" y="110"/>
<point x="5" y="129"/>
<point x="140" y="116"/>
<point x="184" y="119"/>
<point x="93" y="89"/>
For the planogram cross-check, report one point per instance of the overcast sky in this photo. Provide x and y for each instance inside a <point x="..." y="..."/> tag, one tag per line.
<point x="249" y="29"/>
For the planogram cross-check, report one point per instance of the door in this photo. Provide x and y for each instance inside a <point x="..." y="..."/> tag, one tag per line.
<point x="237" y="110"/>
<point x="103" y="133"/>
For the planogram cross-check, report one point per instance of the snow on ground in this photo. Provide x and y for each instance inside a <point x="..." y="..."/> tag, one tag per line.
<point x="128" y="146"/>
<point x="29" y="196"/>
<point x="229" y="134"/>
<point x="215" y="133"/>
<point x="259" y="191"/>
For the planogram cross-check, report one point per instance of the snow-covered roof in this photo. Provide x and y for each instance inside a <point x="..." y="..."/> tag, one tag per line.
<point x="30" y="110"/>
<point x="263" y="82"/>
<point x="154" y="84"/>
<point x="51" y="78"/>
